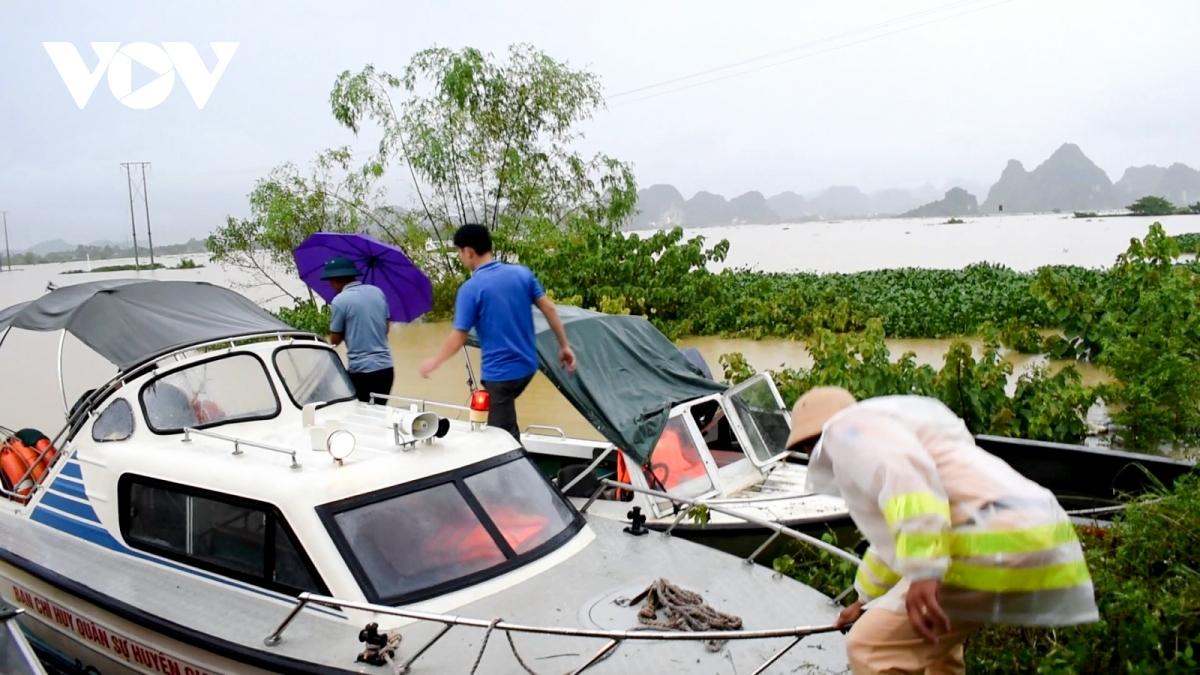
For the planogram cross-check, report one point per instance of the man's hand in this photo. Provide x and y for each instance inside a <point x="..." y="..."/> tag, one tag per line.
<point x="849" y="615"/>
<point x="924" y="612"/>
<point x="427" y="367"/>
<point x="567" y="358"/>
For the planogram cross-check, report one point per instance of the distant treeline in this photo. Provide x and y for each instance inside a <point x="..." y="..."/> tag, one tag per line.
<point x="106" y="253"/>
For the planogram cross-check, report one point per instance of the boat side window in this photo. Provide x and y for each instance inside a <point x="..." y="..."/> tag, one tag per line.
<point x="241" y="539"/>
<point x="676" y="465"/>
<point x="224" y="389"/>
<point x="313" y="375"/>
<point x="115" y="423"/>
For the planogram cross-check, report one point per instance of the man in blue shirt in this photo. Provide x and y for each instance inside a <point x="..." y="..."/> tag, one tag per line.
<point x="360" y="318"/>
<point x="496" y="301"/>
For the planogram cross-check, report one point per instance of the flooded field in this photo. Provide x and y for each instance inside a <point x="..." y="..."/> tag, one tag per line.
<point x="29" y="360"/>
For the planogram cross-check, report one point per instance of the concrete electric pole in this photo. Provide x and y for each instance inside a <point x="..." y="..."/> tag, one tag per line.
<point x="146" y="205"/>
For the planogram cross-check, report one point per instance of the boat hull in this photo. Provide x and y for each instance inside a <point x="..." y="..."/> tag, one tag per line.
<point x="98" y="641"/>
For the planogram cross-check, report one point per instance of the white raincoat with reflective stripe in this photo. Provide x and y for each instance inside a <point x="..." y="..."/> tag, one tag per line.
<point x="934" y="505"/>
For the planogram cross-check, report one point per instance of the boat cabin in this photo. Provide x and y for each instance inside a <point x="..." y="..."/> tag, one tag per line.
<point x="248" y="460"/>
<point x="717" y="447"/>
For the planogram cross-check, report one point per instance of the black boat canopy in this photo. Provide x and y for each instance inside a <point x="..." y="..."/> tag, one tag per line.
<point x="130" y="320"/>
<point x="627" y="375"/>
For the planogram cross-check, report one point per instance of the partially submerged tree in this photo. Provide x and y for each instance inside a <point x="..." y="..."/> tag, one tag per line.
<point x="287" y="206"/>
<point x="1152" y="206"/>
<point x="490" y="142"/>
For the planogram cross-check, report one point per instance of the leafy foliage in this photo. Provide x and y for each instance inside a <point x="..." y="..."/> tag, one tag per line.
<point x="1146" y="570"/>
<point x="491" y="142"/>
<point x="1143" y="328"/>
<point x="1153" y="206"/>
<point x="1045" y="406"/>
<point x="287" y="207"/>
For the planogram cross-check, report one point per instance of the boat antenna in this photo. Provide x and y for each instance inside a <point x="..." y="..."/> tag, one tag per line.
<point x="470" y="370"/>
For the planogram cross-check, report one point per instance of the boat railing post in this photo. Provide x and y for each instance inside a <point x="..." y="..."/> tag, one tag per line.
<point x="761" y="522"/>
<point x="591" y="467"/>
<point x="777" y="655"/>
<point x="404" y="667"/>
<point x="591" y="500"/>
<point x="277" y="636"/>
<point x="608" y="647"/>
<point x="758" y="551"/>
<point x="678" y="519"/>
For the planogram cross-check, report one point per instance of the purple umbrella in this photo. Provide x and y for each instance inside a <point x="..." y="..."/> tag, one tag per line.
<point x="408" y="290"/>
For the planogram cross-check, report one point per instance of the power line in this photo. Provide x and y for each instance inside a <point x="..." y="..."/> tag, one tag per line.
<point x="797" y="58"/>
<point x="789" y="49"/>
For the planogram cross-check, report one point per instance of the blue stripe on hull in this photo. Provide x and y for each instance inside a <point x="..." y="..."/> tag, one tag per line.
<point x="77" y="509"/>
<point x="69" y="487"/>
<point x="72" y="469"/>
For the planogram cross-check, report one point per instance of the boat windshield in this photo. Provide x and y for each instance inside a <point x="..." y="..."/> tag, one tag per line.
<point x="451" y="532"/>
<point x="220" y="390"/>
<point x="766" y="422"/>
<point x="313" y="375"/>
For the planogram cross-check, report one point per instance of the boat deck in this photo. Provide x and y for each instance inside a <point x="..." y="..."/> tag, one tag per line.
<point x="577" y="593"/>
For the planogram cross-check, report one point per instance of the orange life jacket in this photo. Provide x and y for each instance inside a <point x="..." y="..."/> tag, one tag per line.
<point x="472" y="542"/>
<point x="16" y="460"/>
<point x="680" y="467"/>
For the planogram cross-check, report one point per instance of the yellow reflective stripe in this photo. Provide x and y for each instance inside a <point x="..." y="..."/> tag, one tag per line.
<point x="921" y="545"/>
<point x="1017" y="580"/>
<point x="912" y="504"/>
<point x="879" y="569"/>
<point x="863" y="579"/>
<point x="1007" y="542"/>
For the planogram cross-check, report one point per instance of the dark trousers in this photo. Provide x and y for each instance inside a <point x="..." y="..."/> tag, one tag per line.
<point x="503" y="410"/>
<point x="374" y="382"/>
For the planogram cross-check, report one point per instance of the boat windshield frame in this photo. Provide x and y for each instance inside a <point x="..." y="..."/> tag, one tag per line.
<point x="321" y="346"/>
<point x="739" y="426"/>
<point x="196" y="362"/>
<point x="457" y="478"/>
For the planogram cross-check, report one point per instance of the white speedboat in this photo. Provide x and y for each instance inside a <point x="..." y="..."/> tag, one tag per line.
<point x="224" y="505"/>
<point x="670" y="428"/>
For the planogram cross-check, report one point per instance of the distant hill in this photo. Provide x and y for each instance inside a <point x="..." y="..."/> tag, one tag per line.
<point x="52" y="246"/>
<point x="957" y="202"/>
<point x="1067" y="180"/>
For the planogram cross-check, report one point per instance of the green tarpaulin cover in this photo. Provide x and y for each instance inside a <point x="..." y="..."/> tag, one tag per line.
<point x="627" y="377"/>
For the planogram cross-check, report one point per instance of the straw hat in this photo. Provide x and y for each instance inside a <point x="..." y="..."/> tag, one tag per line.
<point x="814" y="409"/>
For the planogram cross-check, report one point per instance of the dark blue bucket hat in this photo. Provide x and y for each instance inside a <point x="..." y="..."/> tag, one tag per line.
<point x="339" y="267"/>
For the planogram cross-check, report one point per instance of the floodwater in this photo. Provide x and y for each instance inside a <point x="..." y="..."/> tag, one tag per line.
<point x="30" y="396"/>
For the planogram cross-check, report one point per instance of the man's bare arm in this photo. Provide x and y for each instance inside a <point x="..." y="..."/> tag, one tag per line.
<point x="543" y="303"/>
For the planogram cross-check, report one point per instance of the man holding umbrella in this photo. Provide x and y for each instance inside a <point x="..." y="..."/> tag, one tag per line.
<point x="360" y="319"/>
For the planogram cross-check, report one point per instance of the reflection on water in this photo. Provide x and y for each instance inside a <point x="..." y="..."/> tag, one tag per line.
<point x="30" y="395"/>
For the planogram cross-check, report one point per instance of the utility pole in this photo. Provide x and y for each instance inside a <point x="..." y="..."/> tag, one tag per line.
<point x="146" y="204"/>
<point x="7" y="254"/>
<point x="137" y="262"/>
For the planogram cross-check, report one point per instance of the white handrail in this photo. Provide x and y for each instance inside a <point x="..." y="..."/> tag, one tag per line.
<point x="761" y="522"/>
<point x="238" y="442"/>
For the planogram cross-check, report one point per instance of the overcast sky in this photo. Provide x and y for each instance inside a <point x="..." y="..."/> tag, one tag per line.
<point x="952" y="99"/>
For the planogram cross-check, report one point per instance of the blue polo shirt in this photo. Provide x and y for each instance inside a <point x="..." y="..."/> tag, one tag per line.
<point x="496" y="301"/>
<point x="360" y="314"/>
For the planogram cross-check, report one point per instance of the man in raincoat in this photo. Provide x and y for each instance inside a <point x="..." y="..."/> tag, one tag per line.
<point x="957" y="538"/>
